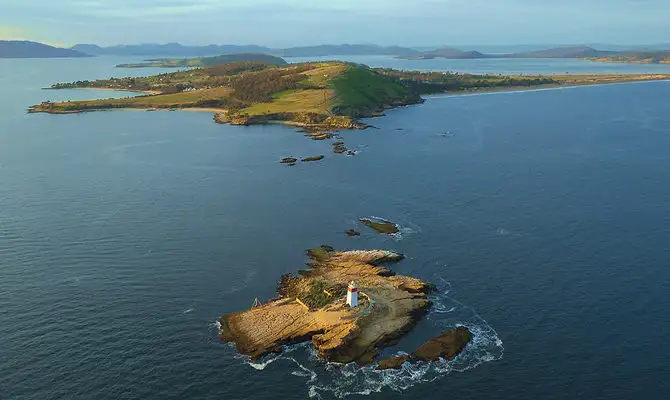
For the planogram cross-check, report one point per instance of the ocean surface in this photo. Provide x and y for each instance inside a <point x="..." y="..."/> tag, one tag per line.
<point x="543" y="217"/>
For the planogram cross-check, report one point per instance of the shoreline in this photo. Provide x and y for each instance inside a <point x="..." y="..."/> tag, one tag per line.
<point x="541" y="88"/>
<point x="149" y="92"/>
<point x="293" y="113"/>
<point x="295" y="124"/>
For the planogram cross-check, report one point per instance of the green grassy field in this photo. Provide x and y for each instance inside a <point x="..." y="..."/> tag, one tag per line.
<point x="360" y="91"/>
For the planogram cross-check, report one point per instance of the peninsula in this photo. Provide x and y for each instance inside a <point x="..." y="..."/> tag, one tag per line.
<point x="312" y="307"/>
<point x="638" y="57"/>
<point x="327" y="95"/>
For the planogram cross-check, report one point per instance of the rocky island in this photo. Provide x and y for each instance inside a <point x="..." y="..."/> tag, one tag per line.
<point x="320" y="96"/>
<point x="311" y="307"/>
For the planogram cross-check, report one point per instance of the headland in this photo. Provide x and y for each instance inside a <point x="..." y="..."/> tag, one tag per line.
<point x="319" y="96"/>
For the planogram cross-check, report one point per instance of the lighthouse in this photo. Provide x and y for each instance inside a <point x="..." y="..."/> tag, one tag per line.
<point x="352" y="294"/>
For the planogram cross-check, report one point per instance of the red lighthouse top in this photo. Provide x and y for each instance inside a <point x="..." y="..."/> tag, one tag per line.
<point x="353" y="287"/>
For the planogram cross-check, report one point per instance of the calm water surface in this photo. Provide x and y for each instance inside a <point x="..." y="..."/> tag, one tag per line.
<point x="543" y="216"/>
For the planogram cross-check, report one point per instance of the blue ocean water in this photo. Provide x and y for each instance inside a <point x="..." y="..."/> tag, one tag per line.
<point x="542" y="216"/>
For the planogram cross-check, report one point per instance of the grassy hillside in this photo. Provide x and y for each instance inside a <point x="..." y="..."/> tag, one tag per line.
<point x="360" y="91"/>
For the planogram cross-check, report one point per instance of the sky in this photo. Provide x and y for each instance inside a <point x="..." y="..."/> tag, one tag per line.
<point x="285" y="23"/>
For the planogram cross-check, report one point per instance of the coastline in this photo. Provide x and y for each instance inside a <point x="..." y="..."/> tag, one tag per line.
<point x="149" y="92"/>
<point x="540" y="88"/>
<point x="296" y="124"/>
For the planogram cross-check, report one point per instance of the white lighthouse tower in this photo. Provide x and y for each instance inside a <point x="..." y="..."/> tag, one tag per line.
<point x="352" y="294"/>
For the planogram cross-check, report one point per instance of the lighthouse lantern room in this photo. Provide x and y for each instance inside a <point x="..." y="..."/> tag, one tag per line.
<point x="352" y="294"/>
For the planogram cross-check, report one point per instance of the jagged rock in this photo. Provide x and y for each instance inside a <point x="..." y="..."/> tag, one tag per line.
<point x="448" y="345"/>
<point x="320" y="136"/>
<point x="288" y="160"/>
<point x="339" y="149"/>
<point x="393" y="363"/>
<point x="240" y="119"/>
<point x="381" y="226"/>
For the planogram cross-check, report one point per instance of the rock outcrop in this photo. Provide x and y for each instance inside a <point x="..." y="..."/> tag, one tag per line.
<point x="313" y="158"/>
<point x="446" y="346"/>
<point x="312" y="307"/>
<point x="393" y="363"/>
<point x="380" y="225"/>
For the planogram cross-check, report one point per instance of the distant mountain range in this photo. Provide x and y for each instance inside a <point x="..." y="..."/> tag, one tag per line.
<point x="176" y="49"/>
<point x="25" y="49"/>
<point x="557" y="52"/>
<point x="207" y="61"/>
<point x="170" y="49"/>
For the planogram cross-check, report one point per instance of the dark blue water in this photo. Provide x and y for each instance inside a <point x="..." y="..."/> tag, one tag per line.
<point x="543" y="216"/>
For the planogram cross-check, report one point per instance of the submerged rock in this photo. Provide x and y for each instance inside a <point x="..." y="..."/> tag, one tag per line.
<point x="313" y="158"/>
<point x="352" y="232"/>
<point x="380" y="225"/>
<point x="288" y="160"/>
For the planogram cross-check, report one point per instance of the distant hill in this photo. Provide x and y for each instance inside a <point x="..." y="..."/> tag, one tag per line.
<point x="562" y="52"/>
<point x="343" y="50"/>
<point x="446" y="52"/>
<point x="176" y="49"/>
<point x="25" y="49"/>
<point x="170" y="49"/>
<point x="208" y="61"/>
<point x="557" y="52"/>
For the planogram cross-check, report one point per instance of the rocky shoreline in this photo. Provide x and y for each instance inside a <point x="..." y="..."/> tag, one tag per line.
<point x="311" y="307"/>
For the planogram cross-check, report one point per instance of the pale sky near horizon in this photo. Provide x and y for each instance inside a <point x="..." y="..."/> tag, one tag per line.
<point x="285" y="23"/>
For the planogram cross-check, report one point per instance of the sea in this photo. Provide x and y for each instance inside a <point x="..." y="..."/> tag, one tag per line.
<point x="543" y="217"/>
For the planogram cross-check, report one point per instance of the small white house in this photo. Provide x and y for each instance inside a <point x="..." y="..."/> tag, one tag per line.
<point x="352" y="294"/>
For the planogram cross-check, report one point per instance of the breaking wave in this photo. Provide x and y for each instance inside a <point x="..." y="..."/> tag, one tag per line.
<point x="331" y="380"/>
